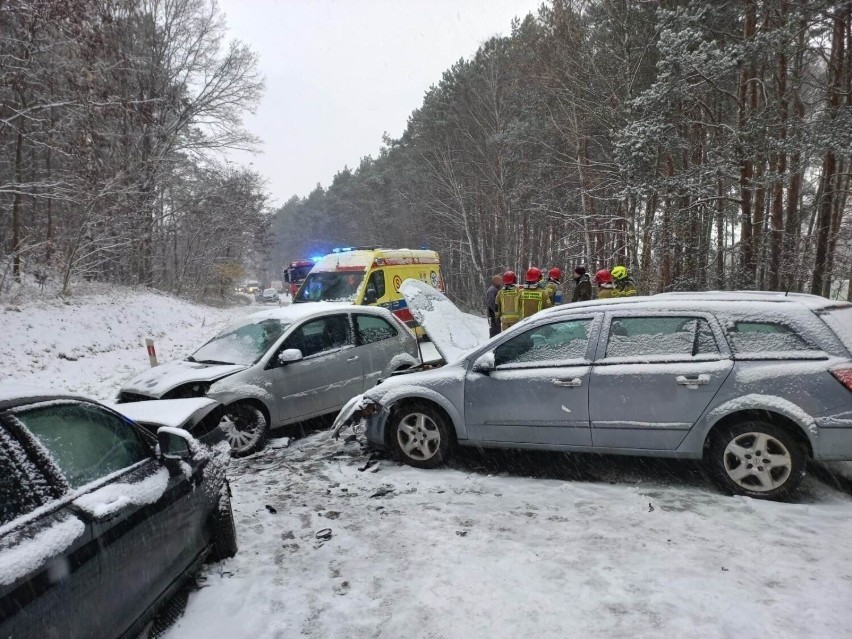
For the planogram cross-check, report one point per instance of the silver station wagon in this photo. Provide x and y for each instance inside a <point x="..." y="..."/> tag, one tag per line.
<point x="752" y="383"/>
<point x="282" y="366"/>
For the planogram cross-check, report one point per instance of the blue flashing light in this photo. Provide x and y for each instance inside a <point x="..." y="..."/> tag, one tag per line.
<point x="316" y="258"/>
<point x="343" y="249"/>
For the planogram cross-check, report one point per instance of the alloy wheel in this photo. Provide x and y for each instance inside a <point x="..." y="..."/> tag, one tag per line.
<point x="418" y="436"/>
<point x="757" y="461"/>
<point x="240" y="429"/>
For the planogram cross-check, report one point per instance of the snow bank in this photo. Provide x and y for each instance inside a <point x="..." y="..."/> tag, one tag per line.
<point x="91" y="344"/>
<point x="18" y="560"/>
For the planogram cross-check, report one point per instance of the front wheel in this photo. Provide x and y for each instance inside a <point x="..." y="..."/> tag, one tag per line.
<point x="420" y="436"/>
<point x="245" y="428"/>
<point x="756" y="459"/>
<point x="223" y="532"/>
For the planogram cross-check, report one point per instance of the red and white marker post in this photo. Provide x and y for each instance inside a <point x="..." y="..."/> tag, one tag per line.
<point x="152" y="353"/>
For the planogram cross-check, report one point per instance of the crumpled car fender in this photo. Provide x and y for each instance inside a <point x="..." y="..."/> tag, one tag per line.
<point x="395" y="395"/>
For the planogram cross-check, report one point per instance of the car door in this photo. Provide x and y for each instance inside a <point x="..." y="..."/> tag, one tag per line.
<point x="375" y="346"/>
<point x="143" y="518"/>
<point x="654" y="374"/>
<point x="50" y="569"/>
<point x="538" y="390"/>
<point x="329" y="373"/>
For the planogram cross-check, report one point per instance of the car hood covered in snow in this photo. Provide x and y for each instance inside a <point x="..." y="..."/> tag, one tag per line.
<point x="161" y="379"/>
<point x="174" y="413"/>
<point x="450" y="330"/>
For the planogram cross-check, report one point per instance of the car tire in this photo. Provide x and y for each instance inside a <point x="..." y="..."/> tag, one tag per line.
<point x="223" y="532"/>
<point x="756" y="459"/>
<point x="245" y="427"/>
<point x="420" y="436"/>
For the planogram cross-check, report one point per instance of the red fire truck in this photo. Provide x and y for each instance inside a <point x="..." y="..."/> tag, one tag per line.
<point x="296" y="273"/>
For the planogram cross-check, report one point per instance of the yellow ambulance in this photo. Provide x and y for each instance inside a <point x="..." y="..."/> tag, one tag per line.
<point x="369" y="275"/>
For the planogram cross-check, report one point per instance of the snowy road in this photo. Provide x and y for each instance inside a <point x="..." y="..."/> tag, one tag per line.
<point x="512" y="545"/>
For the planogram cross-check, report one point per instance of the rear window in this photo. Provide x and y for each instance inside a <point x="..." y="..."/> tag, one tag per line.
<point x="840" y="321"/>
<point x="765" y="339"/>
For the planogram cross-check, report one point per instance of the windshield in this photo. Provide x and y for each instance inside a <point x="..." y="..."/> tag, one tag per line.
<point x="330" y="287"/>
<point x="245" y="344"/>
<point x="299" y="273"/>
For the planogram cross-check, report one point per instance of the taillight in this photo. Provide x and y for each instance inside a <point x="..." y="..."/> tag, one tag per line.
<point x="844" y="376"/>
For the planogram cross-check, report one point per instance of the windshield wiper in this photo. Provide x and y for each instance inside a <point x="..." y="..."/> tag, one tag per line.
<point x="191" y="359"/>
<point x="210" y="361"/>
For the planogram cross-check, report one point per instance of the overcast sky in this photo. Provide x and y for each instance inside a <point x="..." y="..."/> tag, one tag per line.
<point x="340" y="73"/>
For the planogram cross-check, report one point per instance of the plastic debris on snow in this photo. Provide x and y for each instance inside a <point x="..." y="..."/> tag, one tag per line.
<point x="19" y="560"/>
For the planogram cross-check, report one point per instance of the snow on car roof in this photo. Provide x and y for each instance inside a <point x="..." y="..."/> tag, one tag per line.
<point x="345" y="260"/>
<point x="12" y="393"/>
<point x="811" y="301"/>
<point x="296" y="312"/>
<point x="685" y="300"/>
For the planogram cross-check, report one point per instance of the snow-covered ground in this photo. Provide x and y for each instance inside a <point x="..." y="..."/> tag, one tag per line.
<point x="518" y="545"/>
<point x="92" y="343"/>
<point x="497" y="545"/>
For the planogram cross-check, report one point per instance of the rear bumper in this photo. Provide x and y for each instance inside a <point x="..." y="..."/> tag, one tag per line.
<point x="835" y="437"/>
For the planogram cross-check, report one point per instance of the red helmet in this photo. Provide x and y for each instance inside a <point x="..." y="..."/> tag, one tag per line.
<point x="555" y="274"/>
<point x="509" y="277"/>
<point x="603" y="276"/>
<point x="533" y="274"/>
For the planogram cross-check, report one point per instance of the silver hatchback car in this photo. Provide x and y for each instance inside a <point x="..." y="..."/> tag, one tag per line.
<point x="753" y="383"/>
<point x="282" y="366"/>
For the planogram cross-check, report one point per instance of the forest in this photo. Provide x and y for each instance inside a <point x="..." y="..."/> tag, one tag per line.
<point x="113" y="118"/>
<point x="704" y="145"/>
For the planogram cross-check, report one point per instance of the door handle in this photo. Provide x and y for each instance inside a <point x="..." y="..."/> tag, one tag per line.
<point x="352" y="359"/>
<point x="692" y="382"/>
<point x="568" y="383"/>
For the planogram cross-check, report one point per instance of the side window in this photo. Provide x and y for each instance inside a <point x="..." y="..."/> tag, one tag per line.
<point x="377" y="282"/>
<point x="681" y="337"/>
<point x="764" y="338"/>
<point x="373" y="329"/>
<point x="16" y="498"/>
<point x="86" y="442"/>
<point x="551" y="343"/>
<point x="320" y="335"/>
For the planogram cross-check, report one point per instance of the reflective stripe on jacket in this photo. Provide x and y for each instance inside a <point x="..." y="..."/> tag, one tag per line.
<point x="533" y="300"/>
<point x="509" y="304"/>
<point x="624" y="288"/>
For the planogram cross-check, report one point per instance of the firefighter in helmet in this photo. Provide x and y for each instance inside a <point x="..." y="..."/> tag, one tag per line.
<point x="554" y="286"/>
<point x="603" y="280"/>
<point x="624" y="285"/>
<point x="533" y="298"/>
<point x="509" y="301"/>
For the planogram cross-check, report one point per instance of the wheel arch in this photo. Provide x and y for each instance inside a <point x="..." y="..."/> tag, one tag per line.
<point x="392" y="402"/>
<point x="257" y="403"/>
<point x="802" y="430"/>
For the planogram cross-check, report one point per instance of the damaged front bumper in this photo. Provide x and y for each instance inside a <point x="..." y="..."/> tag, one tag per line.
<point x="357" y="410"/>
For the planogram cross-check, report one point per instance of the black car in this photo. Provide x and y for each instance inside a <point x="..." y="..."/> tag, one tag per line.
<point x="100" y="520"/>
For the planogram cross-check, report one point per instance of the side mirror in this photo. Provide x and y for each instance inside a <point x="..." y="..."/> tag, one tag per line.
<point x="175" y="444"/>
<point x="485" y="364"/>
<point x="370" y="297"/>
<point x="289" y="355"/>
